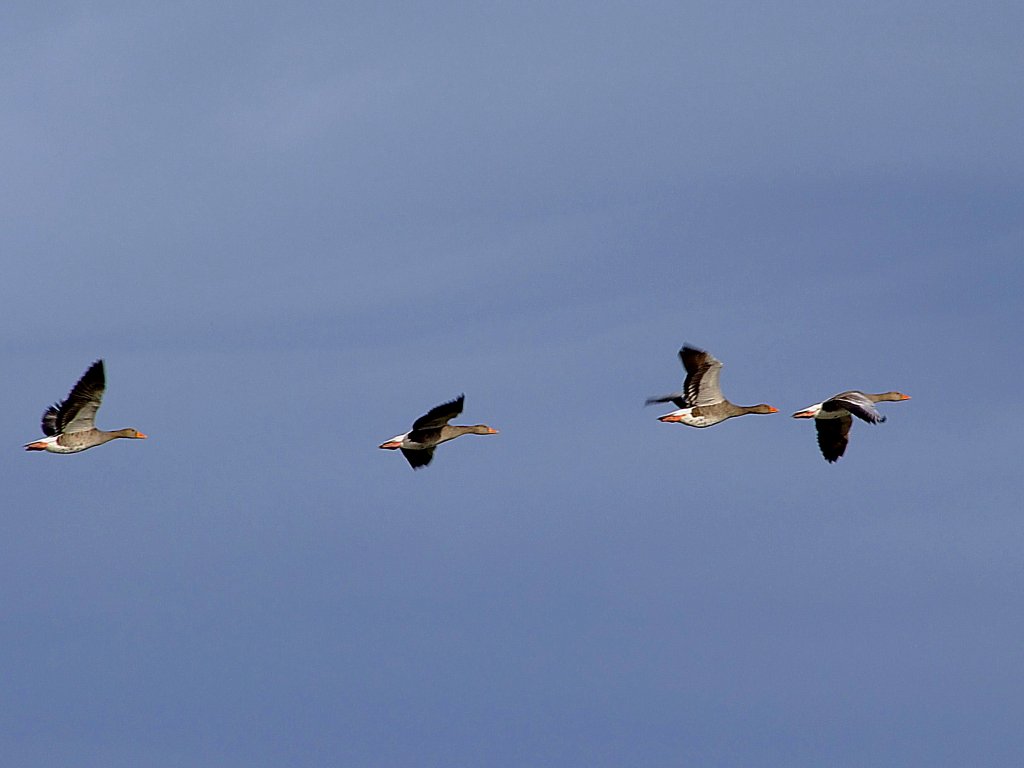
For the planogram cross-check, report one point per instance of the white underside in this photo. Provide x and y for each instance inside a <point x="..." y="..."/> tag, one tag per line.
<point x="816" y="412"/>
<point x="406" y="443"/>
<point x="54" y="447"/>
<point x="686" y="417"/>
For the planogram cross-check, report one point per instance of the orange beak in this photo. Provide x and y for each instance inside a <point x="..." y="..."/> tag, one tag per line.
<point x="905" y="397"/>
<point x="141" y="436"/>
<point x="492" y="431"/>
<point x="772" y="410"/>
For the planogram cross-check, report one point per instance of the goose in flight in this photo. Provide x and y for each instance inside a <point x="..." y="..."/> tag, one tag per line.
<point x="701" y="403"/>
<point x="69" y="426"/>
<point x="432" y="429"/>
<point x="834" y="417"/>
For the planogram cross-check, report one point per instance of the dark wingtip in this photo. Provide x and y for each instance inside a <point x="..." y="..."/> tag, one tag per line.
<point x="689" y="349"/>
<point x="672" y="397"/>
<point x="95" y="372"/>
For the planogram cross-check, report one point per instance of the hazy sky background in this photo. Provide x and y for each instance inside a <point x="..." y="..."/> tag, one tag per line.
<point x="292" y="228"/>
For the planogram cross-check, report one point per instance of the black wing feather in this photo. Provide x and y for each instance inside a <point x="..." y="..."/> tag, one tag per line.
<point x="693" y="358"/>
<point x="833" y="436"/>
<point x="419" y="457"/>
<point x="50" y="417"/>
<point x="675" y="397"/>
<point x="439" y="415"/>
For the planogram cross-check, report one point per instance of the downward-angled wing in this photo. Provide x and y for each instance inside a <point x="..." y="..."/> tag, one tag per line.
<point x="833" y="435"/>
<point x="418" y="458"/>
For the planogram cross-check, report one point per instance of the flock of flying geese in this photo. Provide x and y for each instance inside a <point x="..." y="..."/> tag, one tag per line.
<point x="70" y="426"/>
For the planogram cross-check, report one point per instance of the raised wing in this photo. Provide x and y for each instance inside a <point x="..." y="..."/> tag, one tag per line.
<point x="78" y="411"/>
<point x="833" y="435"/>
<point x="439" y="416"/>
<point x="418" y="458"/>
<point x="701" y="384"/>
<point x="856" y="403"/>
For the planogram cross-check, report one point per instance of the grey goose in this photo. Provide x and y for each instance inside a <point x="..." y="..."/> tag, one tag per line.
<point x="69" y="425"/>
<point x="834" y="417"/>
<point x="701" y="403"/>
<point x="432" y="429"/>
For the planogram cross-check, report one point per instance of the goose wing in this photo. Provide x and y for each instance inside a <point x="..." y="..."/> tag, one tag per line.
<point x="678" y="398"/>
<point x="418" y="458"/>
<point x="833" y="435"/>
<point x="702" y="371"/>
<point x="77" y="413"/>
<point x="856" y="403"/>
<point x="440" y="415"/>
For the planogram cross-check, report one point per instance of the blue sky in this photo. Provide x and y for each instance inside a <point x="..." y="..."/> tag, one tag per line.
<point x="290" y="229"/>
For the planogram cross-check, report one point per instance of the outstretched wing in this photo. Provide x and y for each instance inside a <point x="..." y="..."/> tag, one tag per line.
<point x="833" y="435"/>
<point x="78" y="411"/>
<point x="440" y="415"/>
<point x="702" y="370"/>
<point x="856" y="403"/>
<point x="418" y="458"/>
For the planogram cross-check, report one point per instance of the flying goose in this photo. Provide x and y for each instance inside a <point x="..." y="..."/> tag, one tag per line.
<point x="701" y="403"/>
<point x="432" y="429"/>
<point x="69" y="427"/>
<point x="833" y="418"/>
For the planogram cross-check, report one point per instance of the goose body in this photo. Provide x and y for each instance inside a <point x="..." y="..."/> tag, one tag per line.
<point x="70" y="426"/>
<point x="432" y="429"/>
<point x="701" y="402"/>
<point x="834" y="417"/>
